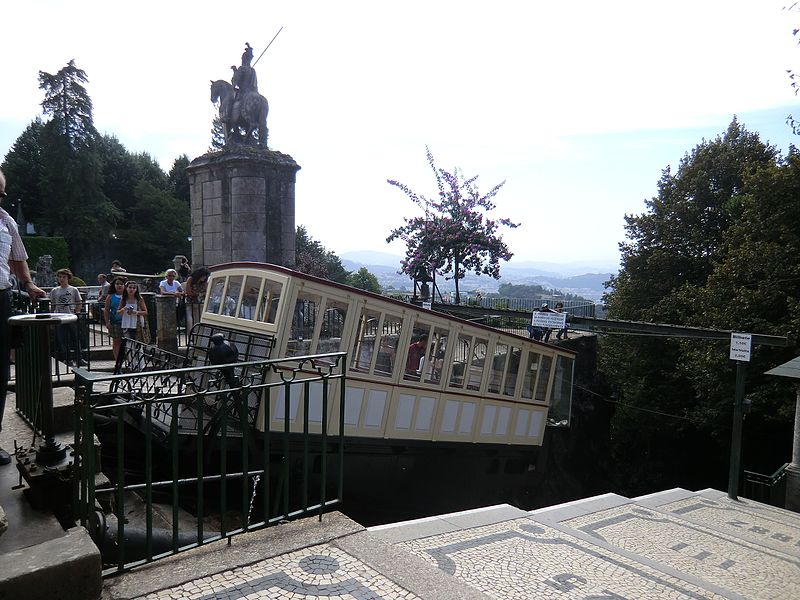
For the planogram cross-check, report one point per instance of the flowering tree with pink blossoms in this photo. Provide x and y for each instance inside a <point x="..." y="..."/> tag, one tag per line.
<point x="454" y="235"/>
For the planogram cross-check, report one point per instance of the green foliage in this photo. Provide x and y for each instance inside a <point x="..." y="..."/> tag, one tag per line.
<point x="68" y="103"/>
<point x="454" y="235"/>
<point x="84" y="186"/>
<point x="23" y="170"/>
<point x="179" y="179"/>
<point x="37" y="246"/>
<point x="718" y="247"/>
<point x="71" y="178"/>
<point x="217" y="135"/>
<point x="76" y="281"/>
<point x="364" y="280"/>
<point x="313" y="258"/>
<point x="158" y="230"/>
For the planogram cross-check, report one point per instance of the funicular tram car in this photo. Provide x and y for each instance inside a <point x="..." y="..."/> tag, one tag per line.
<point x="457" y="424"/>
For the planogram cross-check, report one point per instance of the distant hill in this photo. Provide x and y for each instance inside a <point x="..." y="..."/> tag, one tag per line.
<point x="582" y="278"/>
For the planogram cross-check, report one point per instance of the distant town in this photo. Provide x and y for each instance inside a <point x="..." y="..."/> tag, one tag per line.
<point x="584" y="279"/>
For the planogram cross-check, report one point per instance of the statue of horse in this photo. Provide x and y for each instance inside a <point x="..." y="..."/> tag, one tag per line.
<point x="248" y="113"/>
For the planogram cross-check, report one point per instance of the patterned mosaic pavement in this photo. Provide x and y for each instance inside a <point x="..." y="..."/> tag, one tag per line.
<point x="721" y="559"/>
<point x="672" y="545"/>
<point x="522" y="559"/>
<point x="318" y="572"/>
<point x="760" y="525"/>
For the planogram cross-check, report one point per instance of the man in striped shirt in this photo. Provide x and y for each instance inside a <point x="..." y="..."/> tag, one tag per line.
<point x="12" y="262"/>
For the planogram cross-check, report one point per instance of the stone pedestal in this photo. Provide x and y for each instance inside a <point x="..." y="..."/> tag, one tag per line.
<point x="243" y="207"/>
<point x="166" y="323"/>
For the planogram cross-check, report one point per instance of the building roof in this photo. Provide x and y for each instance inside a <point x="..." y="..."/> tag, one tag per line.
<point x="787" y="369"/>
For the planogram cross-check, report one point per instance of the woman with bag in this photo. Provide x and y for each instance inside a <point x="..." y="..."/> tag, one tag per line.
<point x="131" y="309"/>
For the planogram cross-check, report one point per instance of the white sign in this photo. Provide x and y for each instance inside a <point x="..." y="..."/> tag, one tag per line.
<point x="550" y="320"/>
<point x="427" y="305"/>
<point x="740" y="346"/>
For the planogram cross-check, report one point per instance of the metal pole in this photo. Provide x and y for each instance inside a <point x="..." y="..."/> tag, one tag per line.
<point x="267" y="48"/>
<point x="736" y="437"/>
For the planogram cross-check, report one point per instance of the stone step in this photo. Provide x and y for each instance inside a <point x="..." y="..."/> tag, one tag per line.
<point x="676" y="544"/>
<point x="302" y="559"/>
<point x="747" y="520"/>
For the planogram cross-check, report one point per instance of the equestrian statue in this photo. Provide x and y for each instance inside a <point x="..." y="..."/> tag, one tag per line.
<point x="242" y="110"/>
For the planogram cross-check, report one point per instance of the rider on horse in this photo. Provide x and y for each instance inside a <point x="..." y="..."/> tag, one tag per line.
<point x="241" y="106"/>
<point x="244" y="78"/>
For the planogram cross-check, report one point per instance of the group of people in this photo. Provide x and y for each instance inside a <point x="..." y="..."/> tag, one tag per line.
<point x="124" y="310"/>
<point x="542" y="334"/>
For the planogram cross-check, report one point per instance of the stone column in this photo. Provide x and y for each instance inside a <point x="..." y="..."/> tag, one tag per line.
<point x="793" y="470"/>
<point x="243" y="207"/>
<point x="166" y="323"/>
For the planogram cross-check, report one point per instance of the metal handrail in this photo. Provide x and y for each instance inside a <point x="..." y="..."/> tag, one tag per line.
<point x="770" y="489"/>
<point x="195" y="422"/>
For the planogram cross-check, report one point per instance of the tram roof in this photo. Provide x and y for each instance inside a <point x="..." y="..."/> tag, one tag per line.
<point x="353" y="290"/>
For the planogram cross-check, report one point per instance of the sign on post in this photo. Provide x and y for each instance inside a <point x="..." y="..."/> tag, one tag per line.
<point x="740" y="346"/>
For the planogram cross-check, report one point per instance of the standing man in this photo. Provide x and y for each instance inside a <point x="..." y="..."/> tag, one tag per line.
<point x="99" y="304"/>
<point x="12" y="262"/>
<point x="67" y="299"/>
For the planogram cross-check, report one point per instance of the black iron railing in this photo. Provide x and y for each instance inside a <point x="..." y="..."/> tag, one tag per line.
<point x="188" y="438"/>
<point x="769" y="489"/>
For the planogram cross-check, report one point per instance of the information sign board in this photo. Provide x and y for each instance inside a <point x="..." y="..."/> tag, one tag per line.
<point x="740" y="346"/>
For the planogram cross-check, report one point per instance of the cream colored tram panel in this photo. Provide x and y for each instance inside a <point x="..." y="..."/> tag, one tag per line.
<point x="412" y="414"/>
<point x="367" y="407"/>
<point x="456" y="418"/>
<point x="528" y="425"/>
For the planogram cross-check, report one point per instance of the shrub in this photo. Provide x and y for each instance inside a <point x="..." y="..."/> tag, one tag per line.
<point x="39" y="246"/>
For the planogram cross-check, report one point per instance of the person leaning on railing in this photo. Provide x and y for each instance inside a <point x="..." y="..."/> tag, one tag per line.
<point x="12" y="261"/>
<point x="66" y="298"/>
<point x="195" y="291"/>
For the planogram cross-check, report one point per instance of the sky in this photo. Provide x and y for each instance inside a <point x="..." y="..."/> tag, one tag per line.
<point x="577" y="106"/>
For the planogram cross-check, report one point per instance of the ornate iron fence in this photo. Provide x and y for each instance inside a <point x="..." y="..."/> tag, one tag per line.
<point x="186" y="437"/>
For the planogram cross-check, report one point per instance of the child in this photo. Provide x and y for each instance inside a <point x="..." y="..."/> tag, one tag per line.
<point x="131" y="308"/>
<point x="112" y="316"/>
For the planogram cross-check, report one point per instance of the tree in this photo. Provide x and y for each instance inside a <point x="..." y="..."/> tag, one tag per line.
<point x="72" y="178"/>
<point x="364" y="280"/>
<point x="23" y="169"/>
<point x="717" y="247"/>
<point x="313" y="258"/>
<point x="68" y="103"/>
<point x="217" y="135"/>
<point x="453" y="235"/>
<point x="179" y="179"/>
<point x="158" y="230"/>
<point x="678" y="240"/>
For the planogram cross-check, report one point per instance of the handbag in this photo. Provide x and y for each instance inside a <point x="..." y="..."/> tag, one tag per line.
<point x="143" y="331"/>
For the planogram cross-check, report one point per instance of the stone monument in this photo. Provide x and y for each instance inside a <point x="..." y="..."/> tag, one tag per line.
<point x="242" y="196"/>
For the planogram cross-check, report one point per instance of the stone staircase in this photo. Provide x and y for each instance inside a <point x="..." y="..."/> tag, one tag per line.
<point x="674" y="544"/>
